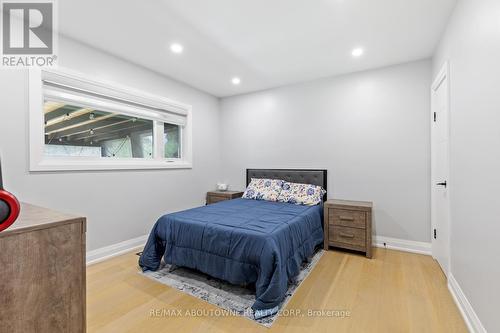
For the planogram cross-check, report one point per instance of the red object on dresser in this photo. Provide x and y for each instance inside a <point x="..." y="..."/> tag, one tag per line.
<point x="9" y="206"/>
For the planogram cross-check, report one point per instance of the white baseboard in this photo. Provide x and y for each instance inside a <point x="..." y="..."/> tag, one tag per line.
<point x="403" y="245"/>
<point x="114" y="250"/>
<point x="471" y="319"/>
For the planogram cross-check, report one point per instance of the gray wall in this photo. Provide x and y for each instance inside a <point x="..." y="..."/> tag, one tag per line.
<point x="369" y="129"/>
<point x="472" y="45"/>
<point x="120" y="205"/>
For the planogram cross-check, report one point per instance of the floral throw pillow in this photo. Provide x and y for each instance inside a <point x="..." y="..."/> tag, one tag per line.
<point x="301" y="194"/>
<point x="263" y="189"/>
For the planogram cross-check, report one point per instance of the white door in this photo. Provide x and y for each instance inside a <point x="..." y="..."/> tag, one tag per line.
<point x="440" y="136"/>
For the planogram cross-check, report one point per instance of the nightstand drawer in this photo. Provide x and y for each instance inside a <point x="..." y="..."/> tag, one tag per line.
<point x="218" y="196"/>
<point x="345" y="235"/>
<point x="213" y="199"/>
<point x="347" y="218"/>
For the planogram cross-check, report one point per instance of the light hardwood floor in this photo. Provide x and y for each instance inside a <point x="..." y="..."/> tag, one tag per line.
<point x="393" y="292"/>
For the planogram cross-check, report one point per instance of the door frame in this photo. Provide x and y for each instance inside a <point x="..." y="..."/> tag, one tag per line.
<point x="444" y="74"/>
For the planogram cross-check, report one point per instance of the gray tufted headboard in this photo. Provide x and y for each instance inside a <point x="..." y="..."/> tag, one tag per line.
<point x="305" y="176"/>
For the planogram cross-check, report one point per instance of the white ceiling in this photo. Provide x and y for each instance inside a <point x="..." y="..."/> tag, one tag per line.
<point x="267" y="43"/>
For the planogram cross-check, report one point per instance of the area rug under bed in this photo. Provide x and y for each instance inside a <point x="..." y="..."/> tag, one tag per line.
<point x="235" y="300"/>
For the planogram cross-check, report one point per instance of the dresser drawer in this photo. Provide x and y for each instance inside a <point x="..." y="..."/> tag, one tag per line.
<point x="347" y="218"/>
<point x="345" y="235"/>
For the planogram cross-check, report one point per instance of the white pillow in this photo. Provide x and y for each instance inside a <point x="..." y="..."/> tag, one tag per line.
<point x="263" y="189"/>
<point x="301" y="194"/>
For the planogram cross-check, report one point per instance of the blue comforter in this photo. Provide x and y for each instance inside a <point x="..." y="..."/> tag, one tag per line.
<point x="240" y="241"/>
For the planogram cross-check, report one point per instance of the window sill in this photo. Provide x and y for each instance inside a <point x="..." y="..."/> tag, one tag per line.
<point x="62" y="164"/>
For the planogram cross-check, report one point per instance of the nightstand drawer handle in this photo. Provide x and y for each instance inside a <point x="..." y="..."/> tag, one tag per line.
<point x="346" y="218"/>
<point x="346" y="235"/>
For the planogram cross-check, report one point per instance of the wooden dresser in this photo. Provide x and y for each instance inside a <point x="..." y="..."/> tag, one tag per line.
<point x="348" y="225"/>
<point x="216" y="196"/>
<point x="42" y="273"/>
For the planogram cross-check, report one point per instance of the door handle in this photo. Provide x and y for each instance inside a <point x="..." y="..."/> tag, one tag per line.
<point x="445" y="184"/>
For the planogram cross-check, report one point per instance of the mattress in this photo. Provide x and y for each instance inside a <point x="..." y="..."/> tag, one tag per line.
<point x="240" y="241"/>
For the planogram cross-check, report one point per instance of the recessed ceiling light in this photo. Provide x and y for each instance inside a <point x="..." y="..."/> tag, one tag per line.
<point x="236" y="81"/>
<point x="176" y="48"/>
<point x="357" y="52"/>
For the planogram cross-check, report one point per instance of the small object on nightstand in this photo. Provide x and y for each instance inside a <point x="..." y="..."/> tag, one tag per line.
<point x="216" y="196"/>
<point x="222" y="187"/>
<point x="348" y="225"/>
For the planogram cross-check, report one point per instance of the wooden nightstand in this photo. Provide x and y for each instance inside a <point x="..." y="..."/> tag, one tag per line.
<point x="348" y="225"/>
<point x="216" y="196"/>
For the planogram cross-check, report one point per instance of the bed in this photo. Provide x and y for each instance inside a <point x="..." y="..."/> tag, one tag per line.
<point x="242" y="241"/>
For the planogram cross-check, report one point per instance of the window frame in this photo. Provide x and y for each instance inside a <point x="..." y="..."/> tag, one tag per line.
<point x="40" y="162"/>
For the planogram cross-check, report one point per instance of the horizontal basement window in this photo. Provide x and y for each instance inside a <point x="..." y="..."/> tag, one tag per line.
<point x="87" y="125"/>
